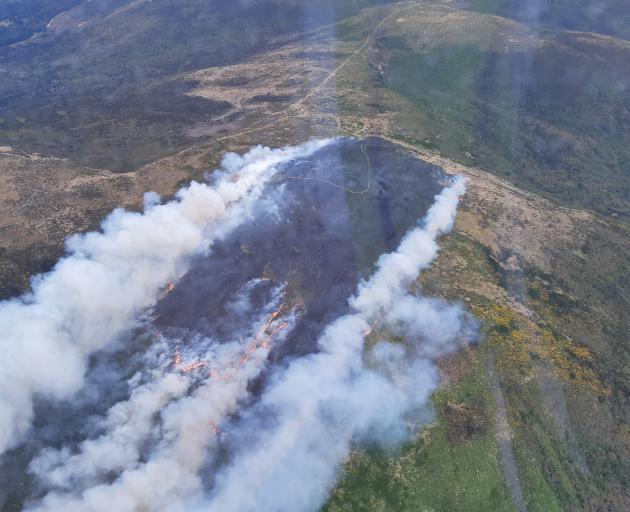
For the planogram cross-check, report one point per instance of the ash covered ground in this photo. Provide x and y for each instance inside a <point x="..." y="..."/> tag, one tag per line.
<point x="320" y="227"/>
<point x="278" y="279"/>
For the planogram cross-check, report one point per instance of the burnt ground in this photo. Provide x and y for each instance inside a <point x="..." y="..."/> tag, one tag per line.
<point x="456" y="94"/>
<point x="318" y="229"/>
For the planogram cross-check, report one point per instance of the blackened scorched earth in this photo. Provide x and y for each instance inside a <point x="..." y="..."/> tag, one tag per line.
<point x="319" y="227"/>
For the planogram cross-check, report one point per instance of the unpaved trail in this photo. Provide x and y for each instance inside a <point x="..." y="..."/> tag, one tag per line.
<point x="504" y="438"/>
<point x="356" y="52"/>
<point x="294" y="107"/>
<point x="280" y="178"/>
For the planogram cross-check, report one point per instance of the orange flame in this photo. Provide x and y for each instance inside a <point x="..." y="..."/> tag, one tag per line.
<point x="177" y="363"/>
<point x="370" y="329"/>
<point x="193" y="366"/>
<point x="262" y="339"/>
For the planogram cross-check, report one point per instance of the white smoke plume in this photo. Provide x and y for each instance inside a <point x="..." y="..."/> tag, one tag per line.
<point x="324" y="402"/>
<point x="109" y="277"/>
<point x="287" y="449"/>
<point x="186" y="432"/>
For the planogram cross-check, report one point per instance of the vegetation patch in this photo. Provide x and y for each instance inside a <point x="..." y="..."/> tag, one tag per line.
<point x="452" y="465"/>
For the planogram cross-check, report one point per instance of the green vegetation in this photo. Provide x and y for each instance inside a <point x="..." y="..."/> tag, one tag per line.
<point x="109" y="95"/>
<point x="607" y="16"/>
<point x="595" y="400"/>
<point x="566" y="461"/>
<point x="545" y="108"/>
<point x="516" y="346"/>
<point x="552" y="119"/>
<point x="549" y="478"/>
<point x="20" y="19"/>
<point x="453" y="465"/>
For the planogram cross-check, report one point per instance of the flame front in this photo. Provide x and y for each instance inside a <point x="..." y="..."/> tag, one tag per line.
<point x="262" y="340"/>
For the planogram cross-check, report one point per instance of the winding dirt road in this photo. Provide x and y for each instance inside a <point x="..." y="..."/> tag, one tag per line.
<point x="504" y="438"/>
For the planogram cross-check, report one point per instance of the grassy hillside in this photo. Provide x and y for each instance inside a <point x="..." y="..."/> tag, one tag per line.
<point x="453" y="465"/>
<point x="493" y="84"/>
<point x="99" y="92"/>
<point x="20" y="19"/>
<point x="549" y="110"/>
<point x="605" y="16"/>
<point x="559" y="373"/>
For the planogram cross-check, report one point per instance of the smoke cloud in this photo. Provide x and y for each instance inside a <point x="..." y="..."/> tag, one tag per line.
<point x="108" y="278"/>
<point x="300" y="432"/>
<point x="190" y="408"/>
<point x="176" y="445"/>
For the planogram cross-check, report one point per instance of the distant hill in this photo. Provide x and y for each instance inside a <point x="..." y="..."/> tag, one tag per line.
<point x="529" y="99"/>
<point x="95" y="80"/>
<point x="611" y="17"/>
<point x="20" y="19"/>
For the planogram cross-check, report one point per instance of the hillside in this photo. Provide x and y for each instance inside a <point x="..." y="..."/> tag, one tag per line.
<point x="533" y="106"/>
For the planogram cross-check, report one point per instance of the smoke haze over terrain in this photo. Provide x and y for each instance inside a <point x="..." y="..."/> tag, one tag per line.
<point x="203" y="407"/>
<point x="302" y="428"/>
<point x="94" y="293"/>
<point x="288" y="329"/>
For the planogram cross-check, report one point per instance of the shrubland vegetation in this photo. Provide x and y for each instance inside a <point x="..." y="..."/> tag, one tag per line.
<point x="516" y="95"/>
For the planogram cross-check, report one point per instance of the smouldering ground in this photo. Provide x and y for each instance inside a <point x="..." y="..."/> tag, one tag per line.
<point x="547" y="275"/>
